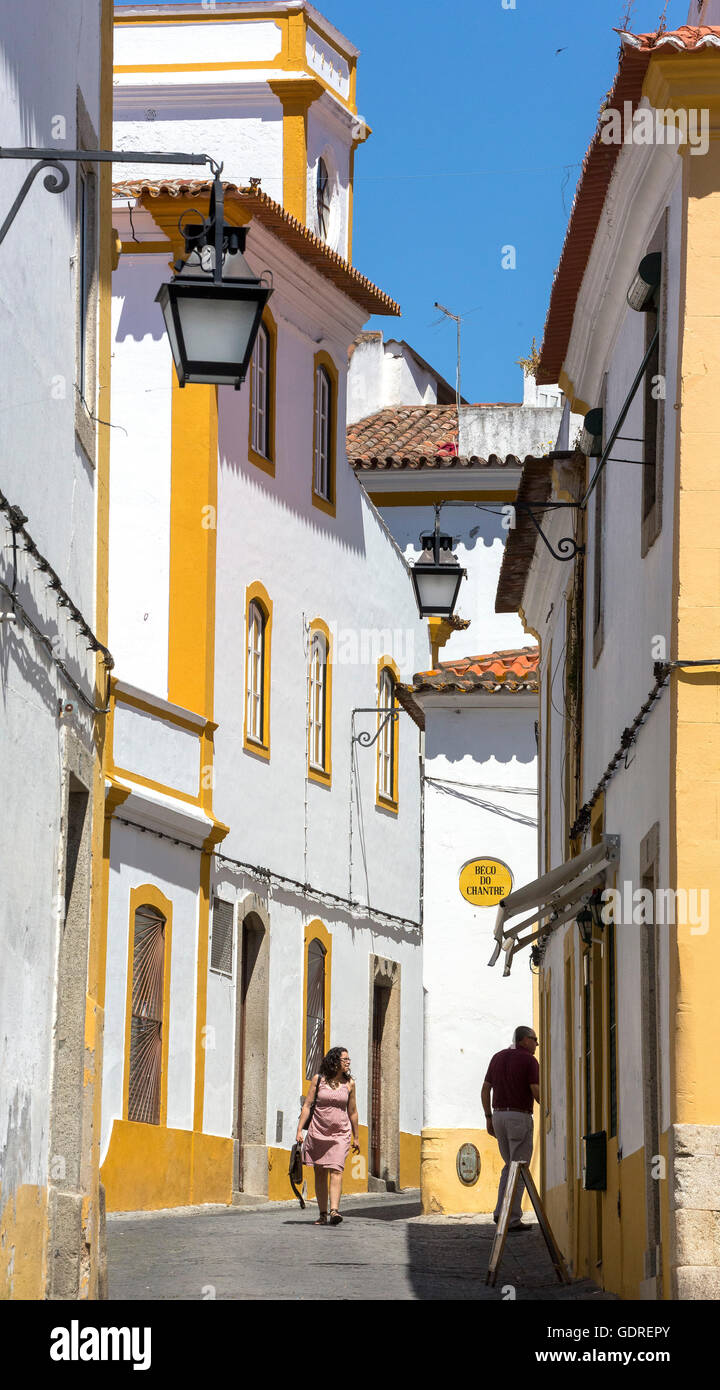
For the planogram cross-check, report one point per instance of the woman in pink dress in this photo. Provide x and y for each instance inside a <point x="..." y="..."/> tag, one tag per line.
<point x="334" y="1126"/>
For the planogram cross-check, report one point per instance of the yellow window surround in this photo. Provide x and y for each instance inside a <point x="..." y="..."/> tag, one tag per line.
<point x="257" y="593"/>
<point x="388" y="740"/>
<point x="265" y="461"/>
<point x="320" y="772"/>
<point x="323" y="362"/>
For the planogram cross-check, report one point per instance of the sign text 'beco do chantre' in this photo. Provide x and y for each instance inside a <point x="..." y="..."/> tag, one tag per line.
<point x="483" y="882"/>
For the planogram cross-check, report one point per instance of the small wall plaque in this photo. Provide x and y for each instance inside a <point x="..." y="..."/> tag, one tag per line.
<point x="468" y="1164"/>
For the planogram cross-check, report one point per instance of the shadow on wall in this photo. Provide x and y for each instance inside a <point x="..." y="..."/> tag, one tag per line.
<point x="486" y="736"/>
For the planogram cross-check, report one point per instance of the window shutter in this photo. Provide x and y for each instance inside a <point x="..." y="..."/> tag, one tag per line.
<point x="221" y="952"/>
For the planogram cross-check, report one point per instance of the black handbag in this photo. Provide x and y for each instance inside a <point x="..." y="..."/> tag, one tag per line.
<point x="295" y="1172"/>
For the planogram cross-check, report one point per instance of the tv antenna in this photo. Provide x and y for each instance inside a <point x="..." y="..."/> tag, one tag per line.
<point x="458" y="320"/>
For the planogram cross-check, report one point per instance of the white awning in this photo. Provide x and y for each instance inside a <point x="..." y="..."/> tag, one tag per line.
<point x="551" y="900"/>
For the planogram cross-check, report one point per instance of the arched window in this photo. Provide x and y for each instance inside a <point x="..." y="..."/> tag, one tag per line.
<point x="260" y="393"/>
<point x="255" y="672"/>
<point x="146" y="1021"/>
<point x="323" y="427"/>
<point x="315" y="1008"/>
<point x="387" y="744"/>
<point x="322" y="199"/>
<point x="318" y="749"/>
<point x="258" y="620"/>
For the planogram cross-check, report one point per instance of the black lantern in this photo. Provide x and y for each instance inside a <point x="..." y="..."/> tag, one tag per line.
<point x="643" y="291"/>
<point x="584" y="920"/>
<point x="213" y="320"/>
<point x="437" y="576"/>
<point x="591" y="438"/>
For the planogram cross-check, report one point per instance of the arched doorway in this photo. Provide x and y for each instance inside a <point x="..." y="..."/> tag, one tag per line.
<point x="250" y="1166"/>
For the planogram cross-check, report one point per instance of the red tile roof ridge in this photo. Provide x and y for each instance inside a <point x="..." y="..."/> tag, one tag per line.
<point x="687" y="37"/>
<point x="273" y="215"/>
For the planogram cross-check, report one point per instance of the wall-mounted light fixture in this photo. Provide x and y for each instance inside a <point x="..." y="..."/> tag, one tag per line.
<point x="643" y="290"/>
<point x="437" y="575"/>
<point x="591" y="438"/>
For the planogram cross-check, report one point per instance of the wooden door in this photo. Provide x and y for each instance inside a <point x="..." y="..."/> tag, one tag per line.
<point x="379" y="1007"/>
<point x="245" y="972"/>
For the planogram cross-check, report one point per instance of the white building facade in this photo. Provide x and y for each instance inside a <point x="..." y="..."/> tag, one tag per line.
<point x="478" y="706"/>
<point x="54" y="346"/>
<point x="264" y="859"/>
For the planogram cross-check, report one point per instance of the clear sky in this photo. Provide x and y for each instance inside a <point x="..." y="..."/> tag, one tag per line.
<point x="479" y="128"/>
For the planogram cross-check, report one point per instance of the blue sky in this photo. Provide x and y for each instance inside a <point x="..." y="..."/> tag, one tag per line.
<point x="479" y="128"/>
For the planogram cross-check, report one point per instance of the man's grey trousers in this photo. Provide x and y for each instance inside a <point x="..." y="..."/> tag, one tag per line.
<point x="514" y="1133"/>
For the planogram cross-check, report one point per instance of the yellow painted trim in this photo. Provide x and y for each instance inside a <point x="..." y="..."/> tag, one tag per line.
<point x="296" y="95"/>
<point x="257" y="593"/>
<point x="323" y="776"/>
<point x="192" y="800"/>
<point x="316" y="930"/>
<point x="265" y="463"/>
<point x="148" y="1168"/>
<point x="673" y="81"/>
<point x="146" y="248"/>
<point x="23" y="1244"/>
<point x="428" y="499"/>
<point x="695" y="627"/>
<point x="193" y="534"/>
<point x="147" y="894"/>
<point x="323" y="359"/>
<point x="293" y="27"/>
<point x="203" y="946"/>
<point x="388" y="803"/>
<point x="149" y="706"/>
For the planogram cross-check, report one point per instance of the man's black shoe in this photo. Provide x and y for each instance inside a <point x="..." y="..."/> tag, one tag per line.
<point x="519" y="1227"/>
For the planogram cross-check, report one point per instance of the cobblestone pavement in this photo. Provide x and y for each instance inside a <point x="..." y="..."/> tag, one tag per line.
<point x="384" y="1249"/>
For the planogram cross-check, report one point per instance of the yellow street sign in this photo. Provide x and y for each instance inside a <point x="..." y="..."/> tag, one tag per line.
<point x="483" y="882"/>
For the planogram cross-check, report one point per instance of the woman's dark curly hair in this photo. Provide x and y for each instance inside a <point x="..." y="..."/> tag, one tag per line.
<point x="330" y="1065"/>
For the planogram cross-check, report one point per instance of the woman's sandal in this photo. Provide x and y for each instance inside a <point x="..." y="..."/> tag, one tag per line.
<point x="322" y="1219"/>
<point x="335" y="1217"/>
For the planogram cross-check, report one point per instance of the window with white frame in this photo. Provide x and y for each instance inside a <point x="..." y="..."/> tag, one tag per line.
<point x="323" y="426"/>
<point x="386" y="742"/>
<point x="255" y="713"/>
<point x="318" y="702"/>
<point x="260" y="393"/>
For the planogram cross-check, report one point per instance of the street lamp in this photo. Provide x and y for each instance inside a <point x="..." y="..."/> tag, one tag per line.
<point x="589" y="916"/>
<point x="212" y="321"/>
<point x="437" y="576"/>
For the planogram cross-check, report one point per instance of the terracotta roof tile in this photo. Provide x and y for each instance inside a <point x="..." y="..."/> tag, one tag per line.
<point x="293" y="232"/>
<point x="514" y="670"/>
<point x="414" y="436"/>
<point x="597" y="170"/>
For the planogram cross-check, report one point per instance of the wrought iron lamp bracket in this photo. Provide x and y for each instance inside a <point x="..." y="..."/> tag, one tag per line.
<point x="365" y="738"/>
<point x="58" y="177"/>
<point x="567" y="547"/>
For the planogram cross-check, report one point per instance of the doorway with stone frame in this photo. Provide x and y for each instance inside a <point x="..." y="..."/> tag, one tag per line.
<point x="384" y="1076"/>
<point x="250" y="1162"/>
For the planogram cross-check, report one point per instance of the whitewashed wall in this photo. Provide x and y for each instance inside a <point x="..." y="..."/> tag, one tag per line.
<point x="45" y="52"/>
<point x="471" y="1012"/>
<point x="637" y="600"/>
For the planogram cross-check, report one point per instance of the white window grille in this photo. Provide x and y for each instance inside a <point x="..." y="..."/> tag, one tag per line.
<point x="386" y="742"/>
<point x="255" y="713"/>
<point x="318" y="701"/>
<point x="261" y="393"/>
<point x="323" y="409"/>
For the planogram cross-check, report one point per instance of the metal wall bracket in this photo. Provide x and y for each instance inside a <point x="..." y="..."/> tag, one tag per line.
<point x="365" y="738"/>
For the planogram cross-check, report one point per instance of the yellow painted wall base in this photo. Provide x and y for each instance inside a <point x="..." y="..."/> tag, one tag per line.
<point x="23" y="1244"/>
<point x="623" y="1235"/>
<point x="149" y="1167"/>
<point x="409" y="1160"/>
<point x="441" y="1190"/>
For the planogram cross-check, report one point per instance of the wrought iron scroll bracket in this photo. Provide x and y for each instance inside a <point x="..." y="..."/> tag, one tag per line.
<point x="55" y="182"/>
<point x="365" y="738"/>
<point x="567" y="547"/>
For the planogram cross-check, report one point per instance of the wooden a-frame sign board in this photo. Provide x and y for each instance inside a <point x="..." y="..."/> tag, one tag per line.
<point x="520" y="1170"/>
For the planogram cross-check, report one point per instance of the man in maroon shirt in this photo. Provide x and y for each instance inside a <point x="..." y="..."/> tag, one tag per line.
<point x="513" y="1077"/>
